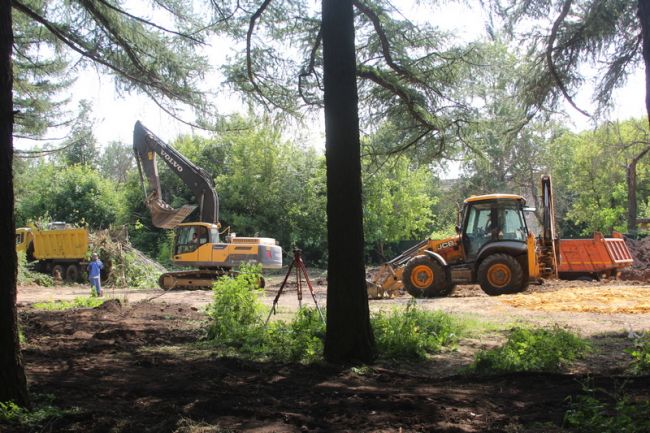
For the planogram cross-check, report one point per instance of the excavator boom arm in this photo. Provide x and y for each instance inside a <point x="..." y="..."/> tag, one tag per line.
<point x="146" y="146"/>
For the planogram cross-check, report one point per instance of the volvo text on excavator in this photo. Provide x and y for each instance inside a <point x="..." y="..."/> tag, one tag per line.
<point x="196" y="244"/>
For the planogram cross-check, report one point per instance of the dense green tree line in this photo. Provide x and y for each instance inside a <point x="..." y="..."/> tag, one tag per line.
<point x="271" y="186"/>
<point x="268" y="186"/>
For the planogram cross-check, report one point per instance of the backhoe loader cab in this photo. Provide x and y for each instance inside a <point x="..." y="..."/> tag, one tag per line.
<point x="491" y="219"/>
<point x="491" y="248"/>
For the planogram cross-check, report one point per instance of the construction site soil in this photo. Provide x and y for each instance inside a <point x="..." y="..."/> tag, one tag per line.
<point x="131" y="365"/>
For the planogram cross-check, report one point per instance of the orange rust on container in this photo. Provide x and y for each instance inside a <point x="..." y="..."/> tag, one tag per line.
<point x="599" y="255"/>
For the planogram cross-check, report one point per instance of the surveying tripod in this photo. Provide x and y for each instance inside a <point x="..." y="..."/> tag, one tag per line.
<point x="300" y="269"/>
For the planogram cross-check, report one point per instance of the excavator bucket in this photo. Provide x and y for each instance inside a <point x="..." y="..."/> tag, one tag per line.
<point x="165" y="216"/>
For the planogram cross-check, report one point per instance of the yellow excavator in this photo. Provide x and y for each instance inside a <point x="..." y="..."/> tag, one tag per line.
<point x="493" y="247"/>
<point x="196" y="244"/>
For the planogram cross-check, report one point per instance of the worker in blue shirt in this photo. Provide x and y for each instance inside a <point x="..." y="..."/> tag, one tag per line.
<point x="94" y="275"/>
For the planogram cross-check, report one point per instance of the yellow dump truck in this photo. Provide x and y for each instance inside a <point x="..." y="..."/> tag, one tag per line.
<point x="60" y="250"/>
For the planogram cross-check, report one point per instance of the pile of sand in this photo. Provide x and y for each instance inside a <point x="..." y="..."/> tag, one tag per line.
<point x="594" y="299"/>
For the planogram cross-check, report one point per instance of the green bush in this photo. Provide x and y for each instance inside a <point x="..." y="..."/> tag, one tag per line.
<point x="588" y="414"/>
<point x="24" y="274"/>
<point x="532" y="350"/>
<point x="641" y="354"/>
<point x="301" y="340"/>
<point x="78" y="302"/>
<point x="236" y="309"/>
<point x="36" y="419"/>
<point x="413" y="333"/>
<point x="27" y="276"/>
<point x="237" y="323"/>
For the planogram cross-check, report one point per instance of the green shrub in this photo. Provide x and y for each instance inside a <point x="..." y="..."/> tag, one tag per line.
<point x="413" y="333"/>
<point x="43" y="280"/>
<point x="10" y="412"/>
<point x="128" y="271"/>
<point x="36" y="419"/>
<point x="27" y="276"/>
<point x="532" y="350"/>
<point x="237" y="323"/>
<point x="301" y="340"/>
<point x="641" y="354"/>
<point x="589" y="414"/>
<point x="24" y="275"/>
<point x="78" y="302"/>
<point x="236" y="308"/>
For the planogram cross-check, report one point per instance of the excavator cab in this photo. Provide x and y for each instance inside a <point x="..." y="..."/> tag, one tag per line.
<point x="190" y="237"/>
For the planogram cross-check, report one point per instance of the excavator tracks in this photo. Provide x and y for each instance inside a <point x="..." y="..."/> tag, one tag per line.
<point x="198" y="279"/>
<point x="195" y="279"/>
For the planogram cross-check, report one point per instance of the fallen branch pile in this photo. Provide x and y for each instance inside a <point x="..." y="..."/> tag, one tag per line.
<point x="127" y="266"/>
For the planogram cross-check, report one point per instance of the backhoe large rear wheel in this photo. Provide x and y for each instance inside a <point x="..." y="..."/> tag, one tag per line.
<point x="500" y="274"/>
<point x="425" y="278"/>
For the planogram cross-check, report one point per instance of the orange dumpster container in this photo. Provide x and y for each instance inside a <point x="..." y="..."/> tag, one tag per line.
<point x="593" y="258"/>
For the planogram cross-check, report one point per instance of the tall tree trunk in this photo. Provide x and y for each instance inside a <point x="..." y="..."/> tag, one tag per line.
<point x="644" y="17"/>
<point x="631" y="192"/>
<point x="349" y="336"/>
<point x="13" y="386"/>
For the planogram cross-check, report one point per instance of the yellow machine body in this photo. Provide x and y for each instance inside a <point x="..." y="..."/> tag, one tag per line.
<point x="199" y="245"/>
<point x="67" y="243"/>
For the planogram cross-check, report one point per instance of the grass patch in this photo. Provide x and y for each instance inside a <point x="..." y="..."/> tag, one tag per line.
<point x="532" y="350"/>
<point x="42" y="413"/>
<point x="608" y="414"/>
<point x="640" y="353"/>
<point x="473" y="326"/>
<point x="78" y="302"/>
<point x="413" y="333"/>
<point x="237" y="327"/>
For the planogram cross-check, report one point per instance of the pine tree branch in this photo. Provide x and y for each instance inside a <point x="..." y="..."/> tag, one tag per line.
<point x="249" y="60"/>
<point x="149" y="23"/>
<point x="143" y="78"/>
<point x="386" y="48"/>
<point x="398" y="91"/>
<point x="566" y="8"/>
<point x="73" y="43"/>
<point x="311" y="68"/>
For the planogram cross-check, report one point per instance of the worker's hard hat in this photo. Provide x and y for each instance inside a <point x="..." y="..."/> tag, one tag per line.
<point x="94" y="255"/>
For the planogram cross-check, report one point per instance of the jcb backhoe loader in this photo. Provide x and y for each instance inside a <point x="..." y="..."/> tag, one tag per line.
<point x="196" y="244"/>
<point x="495" y="248"/>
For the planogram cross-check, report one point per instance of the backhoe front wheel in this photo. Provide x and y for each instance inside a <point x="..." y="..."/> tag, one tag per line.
<point x="425" y="278"/>
<point x="501" y="274"/>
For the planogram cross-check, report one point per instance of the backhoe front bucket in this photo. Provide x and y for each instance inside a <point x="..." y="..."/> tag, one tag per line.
<point x="166" y="217"/>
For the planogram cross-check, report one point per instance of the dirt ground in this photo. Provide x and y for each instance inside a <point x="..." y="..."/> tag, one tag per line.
<point x="130" y="366"/>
